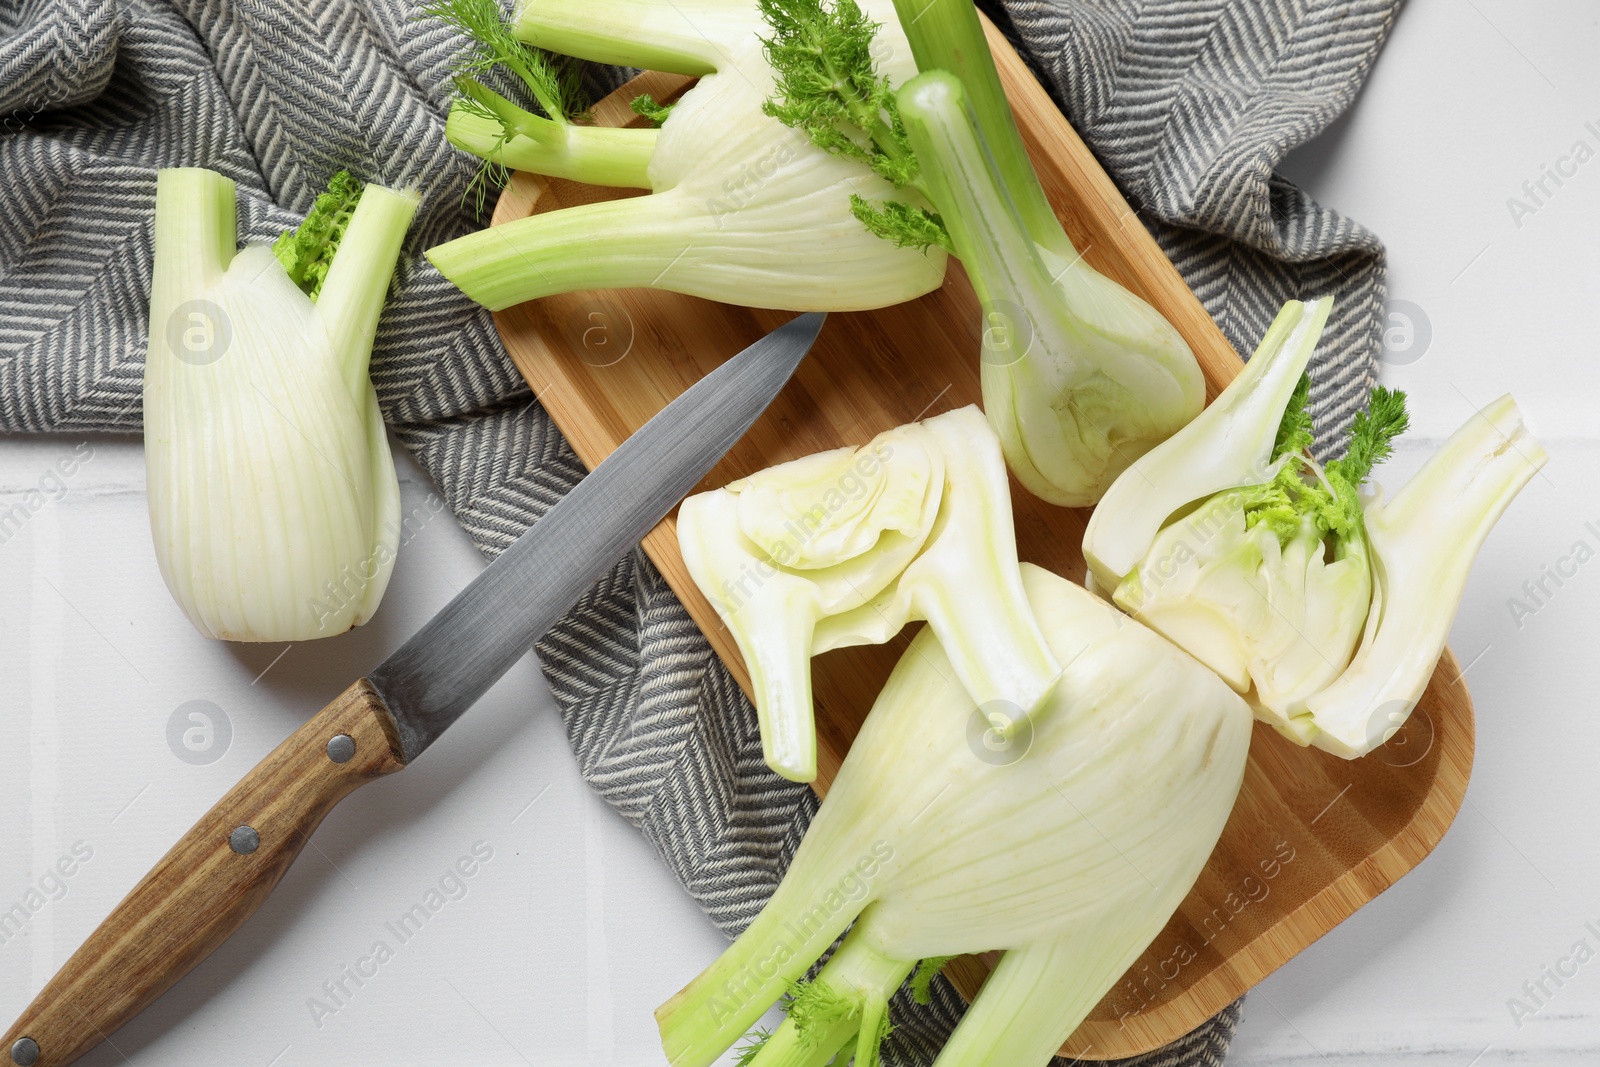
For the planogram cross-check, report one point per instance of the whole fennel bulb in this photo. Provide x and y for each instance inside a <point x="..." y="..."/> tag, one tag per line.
<point x="1069" y="853"/>
<point x="742" y="209"/>
<point x="273" y="499"/>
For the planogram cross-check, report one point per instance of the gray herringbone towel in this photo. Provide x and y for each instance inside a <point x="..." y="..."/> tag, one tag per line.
<point x="1190" y="104"/>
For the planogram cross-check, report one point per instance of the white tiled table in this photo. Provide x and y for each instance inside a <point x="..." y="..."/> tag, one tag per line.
<point x="570" y="935"/>
<point x="554" y="952"/>
<point x="1470" y="100"/>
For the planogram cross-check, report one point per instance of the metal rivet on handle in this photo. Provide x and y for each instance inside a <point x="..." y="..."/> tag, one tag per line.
<point x="244" y="840"/>
<point x="25" y="1053"/>
<point x="342" y="748"/>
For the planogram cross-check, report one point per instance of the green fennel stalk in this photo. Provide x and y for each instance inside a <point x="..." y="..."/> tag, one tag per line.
<point x="507" y="136"/>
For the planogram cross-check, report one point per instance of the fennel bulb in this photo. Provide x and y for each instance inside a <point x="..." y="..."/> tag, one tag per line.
<point x="1328" y="611"/>
<point x="848" y="546"/>
<point x="274" y="504"/>
<point x="1070" y="858"/>
<point x="742" y="209"/>
<point x="1080" y="377"/>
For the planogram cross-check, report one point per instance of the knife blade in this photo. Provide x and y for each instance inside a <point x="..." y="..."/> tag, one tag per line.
<point x="221" y="871"/>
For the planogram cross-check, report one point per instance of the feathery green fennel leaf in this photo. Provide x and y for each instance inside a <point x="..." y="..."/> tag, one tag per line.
<point x="755" y="1041"/>
<point x="1332" y="502"/>
<point x="553" y="82"/>
<point x="651" y="108"/>
<point x="813" y="1006"/>
<point x="906" y="226"/>
<point x="829" y="88"/>
<point x="1294" y="432"/>
<point x="307" y="251"/>
<point x="1372" y="435"/>
<point x="828" y="85"/>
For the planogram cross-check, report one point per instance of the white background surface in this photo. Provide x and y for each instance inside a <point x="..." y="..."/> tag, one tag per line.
<point x="1470" y="99"/>
<point x="558" y="953"/>
<point x="573" y="932"/>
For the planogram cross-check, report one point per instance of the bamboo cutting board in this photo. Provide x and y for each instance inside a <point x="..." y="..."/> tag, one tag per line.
<point x="1312" y="837"/>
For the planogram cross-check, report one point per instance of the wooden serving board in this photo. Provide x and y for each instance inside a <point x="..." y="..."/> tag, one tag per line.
<point x="1312" y="837"/>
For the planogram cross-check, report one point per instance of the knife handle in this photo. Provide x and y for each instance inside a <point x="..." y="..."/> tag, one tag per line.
<point x="208" y="884"/>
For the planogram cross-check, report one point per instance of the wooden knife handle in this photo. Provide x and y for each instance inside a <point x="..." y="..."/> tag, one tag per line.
<point x="208" y="884"/>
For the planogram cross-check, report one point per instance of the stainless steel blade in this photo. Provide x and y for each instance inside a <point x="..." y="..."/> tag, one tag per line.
<point x="453" y="660"/>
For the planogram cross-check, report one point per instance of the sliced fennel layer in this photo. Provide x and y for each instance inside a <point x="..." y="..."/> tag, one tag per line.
<point x="274" y="504"/>
<point x="1275" y="608"/>
<point x="1423" y="543"/>
<point x="1278" y="616"/>
<point x="847" y="547"/>
<point x="1227" y="446"/>
<point x="932" y="846"/>
<point x="743" y="209"/>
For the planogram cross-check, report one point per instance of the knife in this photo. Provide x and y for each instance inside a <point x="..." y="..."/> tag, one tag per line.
<point x="219" y="873"/>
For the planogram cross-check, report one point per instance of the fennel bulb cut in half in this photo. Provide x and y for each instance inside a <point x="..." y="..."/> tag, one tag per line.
<point x="1080" y="376"/>
<point x="273" y="498"/>
<point x="741" y="209"/>
<point x="1328" y="609"/>
<point x="1069" y="852"/>
<point x="848" y="546"/>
